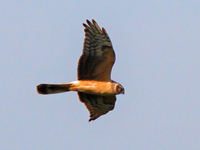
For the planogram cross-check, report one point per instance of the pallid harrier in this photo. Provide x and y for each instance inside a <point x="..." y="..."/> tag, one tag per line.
<point x="94" y="86"/>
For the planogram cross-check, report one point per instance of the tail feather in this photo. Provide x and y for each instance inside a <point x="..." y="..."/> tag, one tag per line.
<point x="53" y="88"/>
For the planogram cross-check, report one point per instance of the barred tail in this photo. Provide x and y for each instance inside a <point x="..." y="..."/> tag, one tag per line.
<point x="53" y="88"/>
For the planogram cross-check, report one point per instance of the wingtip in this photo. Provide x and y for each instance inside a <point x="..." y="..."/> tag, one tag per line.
<point x="90" y="120"/>
<point x="93" y="21"/>
<point x="104" y="31"/>
<point x="88" y="22"/>
<point x="84" y="25"/>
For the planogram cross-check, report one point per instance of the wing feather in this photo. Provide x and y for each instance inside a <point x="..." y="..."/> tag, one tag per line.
<point x="98" y="56"/>
<point x="97" y="105"/>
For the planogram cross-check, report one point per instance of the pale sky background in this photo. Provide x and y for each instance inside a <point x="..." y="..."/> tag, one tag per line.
<point x="157" y="44"/>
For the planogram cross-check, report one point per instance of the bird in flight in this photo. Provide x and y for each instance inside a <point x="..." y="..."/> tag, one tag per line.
<point x="94" y="85"/>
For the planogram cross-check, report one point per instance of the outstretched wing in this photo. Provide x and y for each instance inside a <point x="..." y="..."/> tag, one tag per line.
<point x="98" y="55"/>
<point x="96" y="104"/>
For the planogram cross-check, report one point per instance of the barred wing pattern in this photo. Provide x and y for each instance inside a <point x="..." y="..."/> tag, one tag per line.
<point x="96" y="104"/>
<point x="98" y="55"/>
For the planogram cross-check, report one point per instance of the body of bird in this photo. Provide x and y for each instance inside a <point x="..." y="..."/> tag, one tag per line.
<point x="89" y="87"/>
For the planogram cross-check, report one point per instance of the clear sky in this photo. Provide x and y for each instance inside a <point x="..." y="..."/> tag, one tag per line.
<point x="157" y="45"/>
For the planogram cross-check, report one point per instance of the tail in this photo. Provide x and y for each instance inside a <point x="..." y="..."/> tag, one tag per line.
<point x="53" y="88"/>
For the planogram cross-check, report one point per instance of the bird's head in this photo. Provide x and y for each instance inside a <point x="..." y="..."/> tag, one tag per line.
<point x="119" y="89"/>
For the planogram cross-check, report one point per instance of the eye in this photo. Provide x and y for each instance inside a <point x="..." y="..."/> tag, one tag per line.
<point x="119" y="88"/>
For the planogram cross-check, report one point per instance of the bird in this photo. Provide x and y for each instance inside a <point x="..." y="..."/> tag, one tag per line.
<point x="94" y="85"/>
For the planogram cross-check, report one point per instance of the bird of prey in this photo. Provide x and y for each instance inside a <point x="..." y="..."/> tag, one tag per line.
<point x="94" y="85"/>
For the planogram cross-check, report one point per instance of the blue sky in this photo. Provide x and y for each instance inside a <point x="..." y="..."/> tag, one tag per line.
<point x="157" y="48"/>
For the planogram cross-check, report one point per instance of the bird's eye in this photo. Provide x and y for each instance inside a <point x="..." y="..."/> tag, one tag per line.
<point x="119" y="88"/>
